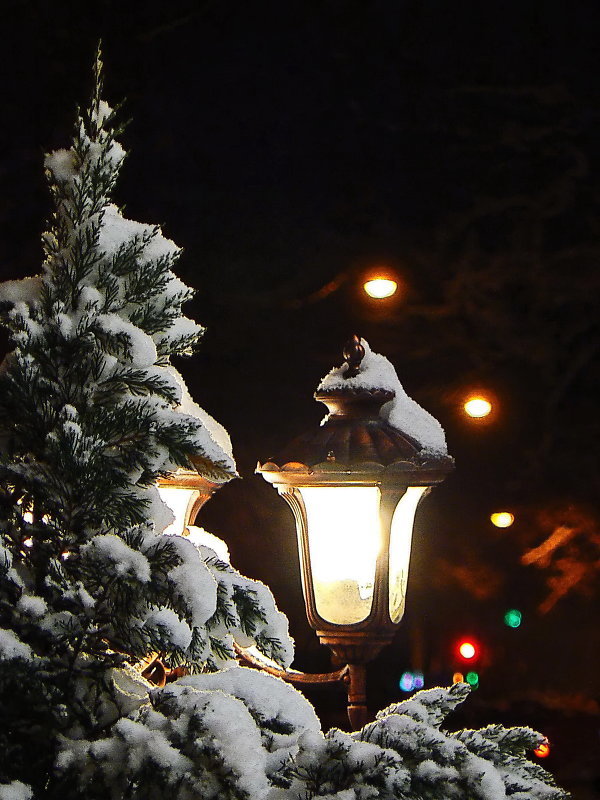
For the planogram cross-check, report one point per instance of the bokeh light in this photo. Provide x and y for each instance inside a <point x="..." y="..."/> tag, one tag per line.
<point x="458" y="677"/>
<point x="467" y="649"/>
<point x="380" y="288"/>
<point x="472" y="678"/>
<point x="411" y="680"/>
<point x="502" y="519"/>
<point x="477" y="407"/>
<point x="406" y="682"/>
<point x="542" y="750"/>
<point x="513" y="618"/>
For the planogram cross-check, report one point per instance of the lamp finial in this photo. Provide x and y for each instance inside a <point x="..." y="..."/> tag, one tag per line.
<point x="354" y="353"/>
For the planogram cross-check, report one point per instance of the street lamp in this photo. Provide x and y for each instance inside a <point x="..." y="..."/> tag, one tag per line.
<point x="354" y="485"/>
<point x="185" y="492"/>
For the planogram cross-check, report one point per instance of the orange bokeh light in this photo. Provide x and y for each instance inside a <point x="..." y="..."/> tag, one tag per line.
<point x="542" y="750"/>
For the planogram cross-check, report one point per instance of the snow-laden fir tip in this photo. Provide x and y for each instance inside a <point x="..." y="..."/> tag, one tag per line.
<point x="12" y="647"/>
<point x="402" y="412"/>
<point x="15" y="790"/>
<point x="118" y="556"/>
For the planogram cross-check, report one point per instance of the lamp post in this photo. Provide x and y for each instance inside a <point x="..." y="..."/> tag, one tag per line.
<point x="354" y="485"/>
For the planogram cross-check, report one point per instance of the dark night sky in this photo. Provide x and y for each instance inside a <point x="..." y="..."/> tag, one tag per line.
<point x="286" y="144"/>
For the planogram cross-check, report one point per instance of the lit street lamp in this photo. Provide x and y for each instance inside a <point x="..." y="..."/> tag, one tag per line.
<point x="379" y="288"/>
<point x="477" y="407"/>
<point x="354" y="485"/>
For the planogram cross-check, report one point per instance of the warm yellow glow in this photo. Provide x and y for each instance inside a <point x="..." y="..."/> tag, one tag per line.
<point x="502" y="519"/>
<point x="344" y="539"/>
<point x="380" y="288"/>
<point x="477" y="407"/>
<point x="458" y="677"/>
<point x="400" y="541"/>
<point x="181" y="502"/>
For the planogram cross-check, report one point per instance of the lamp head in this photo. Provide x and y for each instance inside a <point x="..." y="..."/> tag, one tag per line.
<point x="354" y="484"/>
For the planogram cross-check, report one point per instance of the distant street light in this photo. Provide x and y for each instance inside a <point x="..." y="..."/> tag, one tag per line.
<point x="477" y="407"/>
<point x="379" y="288"/>
<point x="502" y="519"/>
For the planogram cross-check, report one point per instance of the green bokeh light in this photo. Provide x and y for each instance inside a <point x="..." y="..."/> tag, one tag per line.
<point x="513" y="618"/>
<point x="472" y="678"/>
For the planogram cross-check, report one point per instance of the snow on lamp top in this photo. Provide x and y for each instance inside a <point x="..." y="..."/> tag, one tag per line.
<point x="373" y="372"/>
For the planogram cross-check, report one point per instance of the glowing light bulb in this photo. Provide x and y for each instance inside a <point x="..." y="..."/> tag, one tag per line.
<point x="467" y="650"/>
<point x="477" y="407"/>
<point x="458" y="677"/>
<point x="513" y="618"/>
<point x="502" y="519"/>
<point x="380" y="288"/>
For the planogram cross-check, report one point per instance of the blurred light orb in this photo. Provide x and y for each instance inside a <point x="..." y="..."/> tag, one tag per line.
<point x="542" y="750"/>
<point x="411" y="680"/>
<point x="513" y="618"/>
<point x="380" y="288"/>
<point x="406" y="682"/>
<point x="477" y="407"/>
<point x="467" y="650"/>
<point x="458" y="677"/>
<point x="502" y="519"/>
<point x="472" y="678"/>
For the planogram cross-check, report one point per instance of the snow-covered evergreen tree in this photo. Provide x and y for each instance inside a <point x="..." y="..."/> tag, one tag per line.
<point x="89" y="419"/>
<point x="92" y="413"/>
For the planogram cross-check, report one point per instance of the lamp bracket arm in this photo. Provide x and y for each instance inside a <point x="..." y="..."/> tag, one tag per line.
<point x="295" y="677"/>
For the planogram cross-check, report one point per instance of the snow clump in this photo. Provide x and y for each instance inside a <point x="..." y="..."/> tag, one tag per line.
<point x="402" y="412"/>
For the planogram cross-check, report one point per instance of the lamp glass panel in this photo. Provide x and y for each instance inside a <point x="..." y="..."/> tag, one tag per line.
<point x="400" y="541"/>
<point x="344" y="541"/>
<point x="180" y="501"/>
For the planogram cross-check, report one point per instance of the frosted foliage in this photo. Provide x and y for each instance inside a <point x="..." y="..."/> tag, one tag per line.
<point x="405" y="754"/>
<point x="118" y="231"/>
<point x="176" y="632"/>
<point x="120" y="558"/>
<point x="12" y="647"/>
<point x="189" y="406"/>
<point x="245" y="726"/>
<point x="193" y="581"/>
<point x="26" y="290"/>
<point x="403" y="413"/>
<point x="246" y="613"/>
<point x="203" y="538"/>
<point x="15" y="791"/>
<point x="62" y="164"/>
<point x="142" y="350"/>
